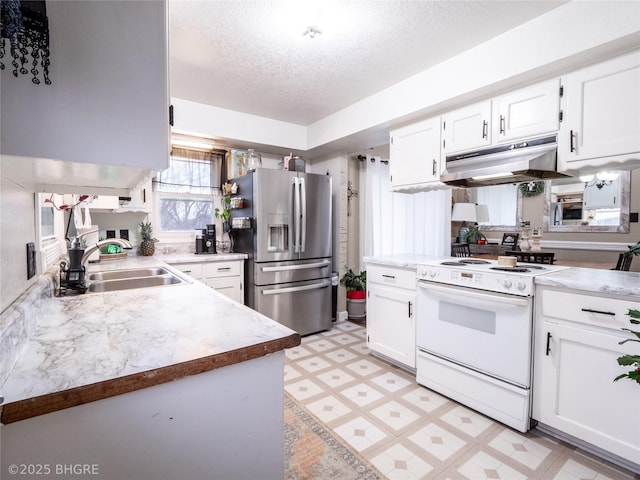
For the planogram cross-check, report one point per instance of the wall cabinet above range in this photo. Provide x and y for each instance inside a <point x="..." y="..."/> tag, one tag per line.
<point x="104" y="120"/>
<point x="601" y="126"/>
<point x="524" y="113"/>
<point x="415" y="156"/>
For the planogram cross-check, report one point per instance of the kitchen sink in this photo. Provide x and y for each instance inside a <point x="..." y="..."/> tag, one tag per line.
<point x="110" y="281"/>
<point x="133" y="273"/>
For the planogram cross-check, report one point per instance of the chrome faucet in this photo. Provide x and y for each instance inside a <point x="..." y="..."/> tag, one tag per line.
<point x="92" y="248"/>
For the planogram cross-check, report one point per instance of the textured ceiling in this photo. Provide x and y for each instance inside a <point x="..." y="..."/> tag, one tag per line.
<point x="252" y="57"/>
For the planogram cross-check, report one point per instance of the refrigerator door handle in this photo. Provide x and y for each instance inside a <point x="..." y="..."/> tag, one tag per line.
<point x="286" y="268"/>
<point x="296" y="214"/>
<point x="303" y="214"/>
<point x="314" y="286"/>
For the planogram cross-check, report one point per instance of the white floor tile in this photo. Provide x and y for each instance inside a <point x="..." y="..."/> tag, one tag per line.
<point x="437" y="441"/>
<point x="290" y="373"/>
<point x="328" y="408"/>
<point x="360" y="433"/>
<point x="395" y="415"/>
<point x="345" y="339"/>
<point x="360" y="348"/>
<point x="390" y="381"/>
<point x="297" y="353"/>
<point x="341" y="355"/>
<point x="482" y="465"/>
<point x="425" y="399"/>
<point x="320" y="345"/>
<point x="363" y="367"/>
<point x="520" y="448"/>
<point x="312" y="364"/>
<point x="335" y="378"/>
<point x="303" y="389"/>
<point x="399" y="463"/>
<point x="466" y="420"/>
<point x="362" y="394"/>
<point x="572" y="470"/>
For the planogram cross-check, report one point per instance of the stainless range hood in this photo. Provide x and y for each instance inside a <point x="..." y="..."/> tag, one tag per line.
<point x="516" y="163"/>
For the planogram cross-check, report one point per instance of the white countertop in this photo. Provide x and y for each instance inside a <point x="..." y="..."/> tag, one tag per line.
<point x="609" y="282"/>
<point x="401" y="260"/>
<point x="172" y="258"/>
<point x="95" y="337"/>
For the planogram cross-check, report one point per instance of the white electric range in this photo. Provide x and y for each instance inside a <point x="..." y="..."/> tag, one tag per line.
<point x="474" y="334"/>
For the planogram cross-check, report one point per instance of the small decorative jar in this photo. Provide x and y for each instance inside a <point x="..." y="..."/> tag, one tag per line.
<point x="254" y="160"/>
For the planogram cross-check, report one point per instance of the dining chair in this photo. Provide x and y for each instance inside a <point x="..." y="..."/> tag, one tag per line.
<point x="624" y="263"/>
<point x="460" y="250"/>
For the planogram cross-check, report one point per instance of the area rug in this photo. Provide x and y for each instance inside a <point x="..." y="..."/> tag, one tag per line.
<point x="313" y="452"/>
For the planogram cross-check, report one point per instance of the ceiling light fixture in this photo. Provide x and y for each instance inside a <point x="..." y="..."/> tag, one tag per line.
<point x="312" y="31"/>
<point x="601" y="179"/>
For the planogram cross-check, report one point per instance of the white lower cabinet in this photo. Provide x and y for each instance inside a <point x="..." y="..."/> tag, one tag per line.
<point x="227" y="277"/>
<point x="576" y="349"/>
<point x="391" y="328"/>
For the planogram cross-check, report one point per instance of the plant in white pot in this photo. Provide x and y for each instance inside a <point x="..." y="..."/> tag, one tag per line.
<point x="356" y="285"/>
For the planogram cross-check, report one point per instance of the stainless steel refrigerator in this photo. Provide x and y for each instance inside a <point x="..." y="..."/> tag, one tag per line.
<point x="287" y="236"/>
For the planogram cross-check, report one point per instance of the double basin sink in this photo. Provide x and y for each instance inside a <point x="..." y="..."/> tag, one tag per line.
<point x="113" y="280"/>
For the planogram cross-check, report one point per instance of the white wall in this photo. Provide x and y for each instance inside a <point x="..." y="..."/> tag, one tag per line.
<point x="17" y="227"/>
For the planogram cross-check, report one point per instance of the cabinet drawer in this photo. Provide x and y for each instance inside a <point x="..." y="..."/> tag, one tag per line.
<point x="395" y="277"/>
<point x="598" y="311"/>
<point x="192" y="269"/>
<point x="222" y="269"/>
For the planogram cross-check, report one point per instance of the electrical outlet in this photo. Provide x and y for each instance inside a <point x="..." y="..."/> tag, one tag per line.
<point x="31" y="260"/>
<point x="633" y="217"/>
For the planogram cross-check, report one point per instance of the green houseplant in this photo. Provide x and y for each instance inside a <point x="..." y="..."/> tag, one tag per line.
<point x="356" y="285"/>
<point x="475" y="234"/>
<point x="631" y="360"/>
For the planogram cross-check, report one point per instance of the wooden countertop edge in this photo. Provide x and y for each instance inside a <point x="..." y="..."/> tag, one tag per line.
<point x="52" y="402"/>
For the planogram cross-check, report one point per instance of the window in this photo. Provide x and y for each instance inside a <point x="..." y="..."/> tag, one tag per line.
<point x="186" y="190"/>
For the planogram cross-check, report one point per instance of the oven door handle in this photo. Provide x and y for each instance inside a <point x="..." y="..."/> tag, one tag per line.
<point x="487" y="297"/>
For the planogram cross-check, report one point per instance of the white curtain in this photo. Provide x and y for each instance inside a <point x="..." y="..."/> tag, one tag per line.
<point x="400" y="223"/>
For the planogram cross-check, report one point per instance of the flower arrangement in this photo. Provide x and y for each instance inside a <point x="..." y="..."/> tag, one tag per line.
<point x="631" y="360"/>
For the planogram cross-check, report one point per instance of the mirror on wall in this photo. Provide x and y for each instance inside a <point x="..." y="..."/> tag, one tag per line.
<point x="504" y="204"/>
<point x="594" y="203"/>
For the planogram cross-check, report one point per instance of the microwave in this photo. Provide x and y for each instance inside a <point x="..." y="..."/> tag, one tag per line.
<point x="572" y="213"/>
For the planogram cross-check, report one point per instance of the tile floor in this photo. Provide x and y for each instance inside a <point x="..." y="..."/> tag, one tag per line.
<point x="409" y="432"/>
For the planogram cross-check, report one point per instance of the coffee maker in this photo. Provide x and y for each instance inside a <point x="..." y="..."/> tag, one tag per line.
<point x="206" y="242"/>
<point x="72" y="276"/>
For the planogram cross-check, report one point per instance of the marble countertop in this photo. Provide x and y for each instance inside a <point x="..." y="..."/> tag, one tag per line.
<point x="171" y="258"/>
<point x="91" y="346"/>
<point x="609" y="282"/>
<point x="401" y="260"/>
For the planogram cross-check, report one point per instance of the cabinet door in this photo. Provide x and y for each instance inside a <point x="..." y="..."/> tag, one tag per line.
<point x="140" y="199"/>
<point x="467" y="128"/>
<point x="527" y="112"/>
<point x="391" y="328"/>
<point x="574" y="391"/>
<point x="415" y="154"/>
<point x="602" y="113"/>
<point x="228" y="286"/>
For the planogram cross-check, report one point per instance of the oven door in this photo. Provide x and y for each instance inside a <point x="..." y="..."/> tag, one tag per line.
<point x="484" y="331"/>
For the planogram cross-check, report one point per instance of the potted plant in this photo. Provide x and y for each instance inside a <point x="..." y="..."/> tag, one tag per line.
<point x="356" y="285"/>
<point x="632" y="361"/>
<point x="148" y="244"/>
<point x="475" y="235"/>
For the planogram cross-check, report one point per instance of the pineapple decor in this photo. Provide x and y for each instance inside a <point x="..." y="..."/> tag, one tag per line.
<point x="148" y="245"/>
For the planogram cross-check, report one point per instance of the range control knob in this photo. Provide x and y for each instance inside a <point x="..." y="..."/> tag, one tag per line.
<point x="521" y="285"/>
<point x="506" y="283"/>
<point x="432" y="273"/>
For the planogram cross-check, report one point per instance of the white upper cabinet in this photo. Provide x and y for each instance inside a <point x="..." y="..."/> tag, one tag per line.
<point x="467" y="128"/>
<point x="601" y="126"/>
<point x="607" y="196"/>
<point x="107" y="104"/>
<point x="527" y="112"/>
<point x="415" y="156"/>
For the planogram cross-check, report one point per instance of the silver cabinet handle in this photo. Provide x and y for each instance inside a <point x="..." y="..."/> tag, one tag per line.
<point x="224" y="269"/>
<point x="502" y="124"/>
<point x="485" y="128"/>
